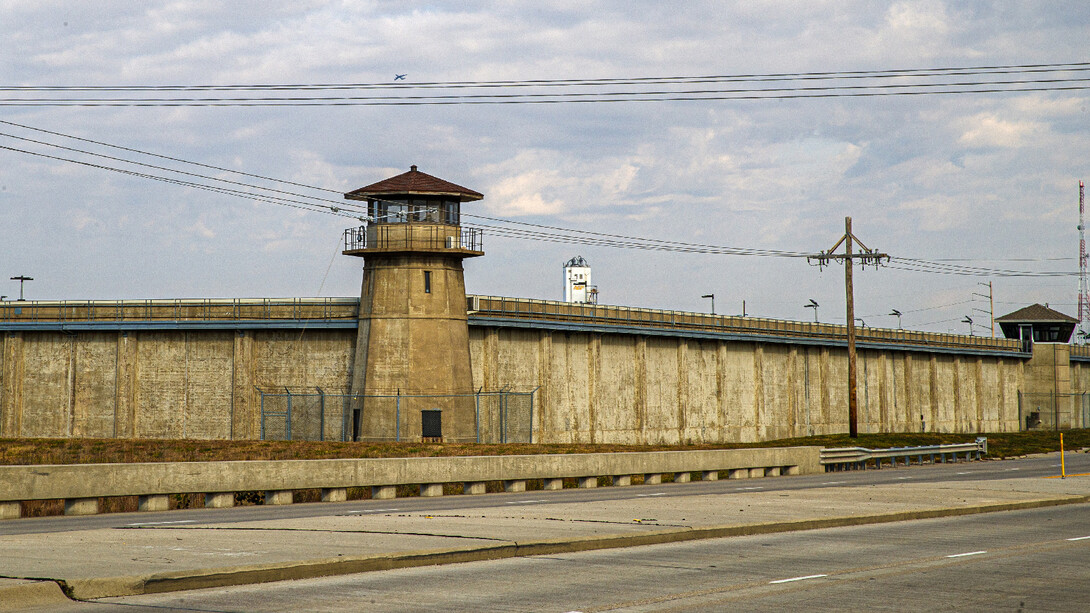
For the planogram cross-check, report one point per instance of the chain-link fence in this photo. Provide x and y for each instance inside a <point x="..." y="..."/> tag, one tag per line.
<point x="314" y="415"/>
<point x="305" y="416"/>
<point x="1049" y="411"/>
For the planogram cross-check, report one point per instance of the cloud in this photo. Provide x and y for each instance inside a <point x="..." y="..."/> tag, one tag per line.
<point x="989" y="130"/>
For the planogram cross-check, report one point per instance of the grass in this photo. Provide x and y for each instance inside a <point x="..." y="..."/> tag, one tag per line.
<point x="94" y="451"/>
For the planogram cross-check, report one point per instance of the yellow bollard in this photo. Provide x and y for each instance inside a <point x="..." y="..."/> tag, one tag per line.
<point x="1063" y="467"/>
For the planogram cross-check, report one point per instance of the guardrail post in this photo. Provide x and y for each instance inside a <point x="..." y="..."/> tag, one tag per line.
<point x="81" y="506"/>
<point x="334" y="494"/>
<point x="383" y="492"/>
<point x="153" y="502"/>
<point x="588" y="482"/>
<point x="219" y="500"/>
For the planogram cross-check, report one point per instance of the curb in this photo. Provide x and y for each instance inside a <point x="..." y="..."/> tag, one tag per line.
<point x="107" y="587"/>
<point x="20" y="594"/>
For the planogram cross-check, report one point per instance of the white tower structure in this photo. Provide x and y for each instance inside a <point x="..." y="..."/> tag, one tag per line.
<point x="577" y="285"/>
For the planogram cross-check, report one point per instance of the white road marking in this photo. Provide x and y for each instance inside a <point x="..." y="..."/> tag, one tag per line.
<point x="962" y="555"/>
<point x="524" y="501"/>
<point x="163" y="523"/>
<point x="1080" y="538"/>
<point x="833" y="482"/>
<point x="757" y="487"/>
<point x="961" y="473"/>
<point x="1010" y="469"/>
<point x="372" y="511"/>
<point x="655" y="494"/>
<point x="798" y="579"/>
<point x="903" y="478"/>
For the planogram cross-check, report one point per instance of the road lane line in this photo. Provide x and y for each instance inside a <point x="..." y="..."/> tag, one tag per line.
<point x="963" y="555"/>
<point x="524" y="501"/>
<point x="655" y="494"/>
<point x="833" y="482"/>
<point x="1080" y="538"/>
<point x="798" y="579"/>
<point x="163" y="523"/>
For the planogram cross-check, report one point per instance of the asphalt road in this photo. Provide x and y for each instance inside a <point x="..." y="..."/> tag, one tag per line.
<point x="963" y="471"/>
<point x="1036" y="560"/>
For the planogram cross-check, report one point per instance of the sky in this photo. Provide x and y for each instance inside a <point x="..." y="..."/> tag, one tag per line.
<point x="987" y="179"/>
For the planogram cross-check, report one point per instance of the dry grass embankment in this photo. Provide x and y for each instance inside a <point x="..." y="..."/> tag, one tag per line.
<point x="93" y="451"/>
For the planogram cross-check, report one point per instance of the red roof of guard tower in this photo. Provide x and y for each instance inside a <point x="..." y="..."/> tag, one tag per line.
<point x="414" y="182"/>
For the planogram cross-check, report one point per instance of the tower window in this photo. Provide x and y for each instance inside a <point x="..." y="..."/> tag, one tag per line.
<point x="427" y="281"/>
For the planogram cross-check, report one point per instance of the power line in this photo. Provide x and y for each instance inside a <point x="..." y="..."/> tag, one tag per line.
<point x="479" y="100"/>
<point x="925" y="81"/>
<point x="750" y="77"/>
<point x="499" y="226"/>
<point x="164" y="157"/>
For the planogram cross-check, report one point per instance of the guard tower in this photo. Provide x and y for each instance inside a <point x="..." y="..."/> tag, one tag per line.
<point x="412" y="348"/>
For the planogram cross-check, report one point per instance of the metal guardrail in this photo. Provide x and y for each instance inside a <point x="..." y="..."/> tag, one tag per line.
<point x="198" y="309"/>
<point x="860" y="458"/>
<point x="550" y="310"/>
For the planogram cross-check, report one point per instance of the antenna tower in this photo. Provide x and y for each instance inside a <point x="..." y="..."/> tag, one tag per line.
<point x="1084" y="291"/>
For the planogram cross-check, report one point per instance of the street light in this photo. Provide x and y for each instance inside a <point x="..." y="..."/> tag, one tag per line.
<point x="21" y="279"/>
<point x="813" y="305"/>
<point x="898" y="314"/>
<point x="968" y="320"/>
<point x="712" y="296"/>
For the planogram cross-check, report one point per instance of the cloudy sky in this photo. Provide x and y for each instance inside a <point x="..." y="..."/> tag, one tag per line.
<point x="987" y="179"/>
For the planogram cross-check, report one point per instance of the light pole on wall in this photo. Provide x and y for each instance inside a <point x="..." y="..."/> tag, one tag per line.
<point x="712" y="296"/>
<point x="898" y="314"/>
<point x="813" y="305"/>
<point x="22" y="279"/>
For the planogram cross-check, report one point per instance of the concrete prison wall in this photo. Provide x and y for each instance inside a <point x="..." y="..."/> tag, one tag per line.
<point x="627" y="388"/>
<point x="197" y="384"/>
<point x="610" y="375"/>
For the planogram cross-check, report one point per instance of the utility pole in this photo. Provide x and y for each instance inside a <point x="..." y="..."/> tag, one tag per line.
<point x="991" y="304"/>
<point x="865" y="256"/>
<point x="1084" y="285"/>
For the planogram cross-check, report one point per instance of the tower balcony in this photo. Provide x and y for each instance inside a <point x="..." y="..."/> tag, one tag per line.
<point x="413" y="238"/>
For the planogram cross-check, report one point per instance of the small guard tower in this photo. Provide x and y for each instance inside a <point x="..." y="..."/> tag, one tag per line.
<point x="412" y="348"/>
<point x="1037" y="324"/>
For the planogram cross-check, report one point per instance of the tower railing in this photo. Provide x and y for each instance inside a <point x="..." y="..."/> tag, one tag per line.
<point x="412" y="236"/>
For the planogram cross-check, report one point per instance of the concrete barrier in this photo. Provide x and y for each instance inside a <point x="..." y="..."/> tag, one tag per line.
<point x="80" y="485"/>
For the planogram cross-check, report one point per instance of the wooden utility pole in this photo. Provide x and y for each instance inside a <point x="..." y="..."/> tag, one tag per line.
<point x="865" y="256"/>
